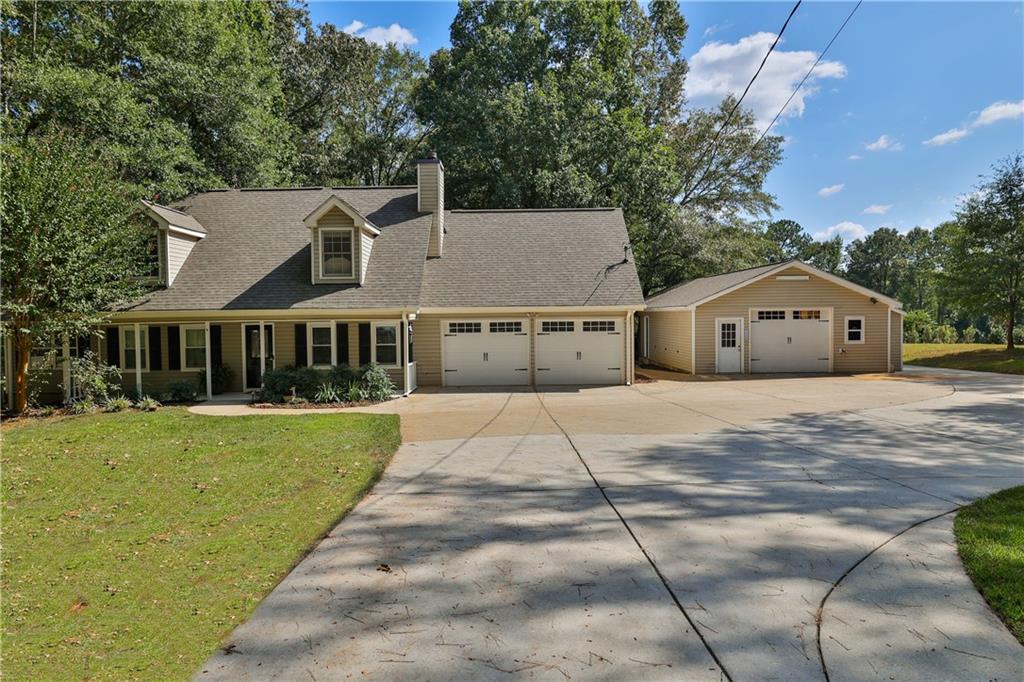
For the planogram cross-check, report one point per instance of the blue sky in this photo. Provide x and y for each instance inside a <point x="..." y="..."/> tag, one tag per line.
<point x="911" y="104"/>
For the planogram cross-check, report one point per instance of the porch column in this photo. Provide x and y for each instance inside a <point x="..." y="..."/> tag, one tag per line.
<point x="66" y="368"/>
<point x="209" y="366"/>
<point x="404" y="352"/>
<point x="263" y="355"/>
<point x="888" y="339"/>
<point x="138" y="360"/>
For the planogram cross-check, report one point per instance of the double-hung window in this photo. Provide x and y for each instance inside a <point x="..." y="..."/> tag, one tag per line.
<point x="855" y="329"/>
<point x="385" y="344"/>
<point x="128" y="342"/>
<point x="44" y="354"/>
<point x="193" y="347"/>
<point x="336" y="253"/>
<point x="321" y="344"/>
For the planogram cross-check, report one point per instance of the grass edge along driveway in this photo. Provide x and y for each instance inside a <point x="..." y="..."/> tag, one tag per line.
<point x="979" y="357"/>
<point x="990" y="539"/>
<point x="134" y="542"/>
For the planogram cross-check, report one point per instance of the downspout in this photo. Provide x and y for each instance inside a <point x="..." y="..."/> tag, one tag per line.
<point x="404" y="350"/>
<point x="138" y="360"/>
<point x="209" y="362"/>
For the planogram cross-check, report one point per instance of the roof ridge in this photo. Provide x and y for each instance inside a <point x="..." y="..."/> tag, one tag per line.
<point x="532" y="210"/>
<point x="723" y="274"/>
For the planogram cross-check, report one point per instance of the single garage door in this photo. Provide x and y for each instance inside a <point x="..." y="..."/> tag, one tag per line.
<point x="579" y="351"/>
<point x="486" y="353"/>
<point x="788" y="340"/>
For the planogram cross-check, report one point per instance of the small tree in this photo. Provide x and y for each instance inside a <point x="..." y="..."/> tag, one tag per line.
<point x="984" y="263"/>
<point x="69" y="247"/>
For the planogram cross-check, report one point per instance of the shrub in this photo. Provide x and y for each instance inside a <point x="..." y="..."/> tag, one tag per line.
<point x="298" y="382"/>
<point x="94" y="380"/>
<point x="147" y="403"/>
<point x="354" y="393"/>
<point x="377" y="385"/>
<point x="182" y="391"/>
<point x="971" y="334"/>
<point x="1018" y="336"/>
<point x="944" y="333"/>
<point x="917" y="325"/>
<point x="118" y="404"/>
<point x="221" y="379"/>
<point x="341" y="375"/>
<point x="83" y="406"/>
<point x="327" y="393"/>
<point x="997" y="334"/>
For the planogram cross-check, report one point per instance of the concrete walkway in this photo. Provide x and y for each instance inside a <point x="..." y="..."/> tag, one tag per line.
<point x="675" y="530"/>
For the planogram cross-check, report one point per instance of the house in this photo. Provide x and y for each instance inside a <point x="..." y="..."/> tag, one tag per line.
<point x="251" y="279"/>
<point x="784" y="317"/>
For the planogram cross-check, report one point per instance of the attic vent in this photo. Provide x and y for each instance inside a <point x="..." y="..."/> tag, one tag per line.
<point x="792" y="278"/>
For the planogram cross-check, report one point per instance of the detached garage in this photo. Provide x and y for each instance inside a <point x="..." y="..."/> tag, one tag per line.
<point x="782" y="318"/>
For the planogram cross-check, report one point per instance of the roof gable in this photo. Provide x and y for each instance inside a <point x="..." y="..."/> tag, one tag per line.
<point x="335" y="202"/>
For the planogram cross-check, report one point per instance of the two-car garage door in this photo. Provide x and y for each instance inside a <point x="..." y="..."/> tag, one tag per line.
<point x="790" y="340"/>
<point x="566" y="351"/>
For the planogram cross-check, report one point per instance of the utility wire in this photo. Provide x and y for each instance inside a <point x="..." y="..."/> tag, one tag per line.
<point x="713" y="147"/>
<point x="807" y="75"/>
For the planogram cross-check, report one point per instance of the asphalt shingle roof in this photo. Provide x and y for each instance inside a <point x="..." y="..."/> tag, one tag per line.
<point x="176" y="217"/>
<point x="695" y="290"/>
<point x="256" y="255"/>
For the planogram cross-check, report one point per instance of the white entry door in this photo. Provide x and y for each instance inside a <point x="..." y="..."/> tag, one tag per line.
<point x="729" y="345"/>
<point x="789" y="340"/>
<point x="580" y="351"/>
<point x="486" y="352"/>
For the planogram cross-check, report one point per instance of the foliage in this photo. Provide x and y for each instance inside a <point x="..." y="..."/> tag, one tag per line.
<point x="793" y="242"/>
<point x="68" y="242"/>
<point x="290" y="381"/>
<point x="181" y="391"/>
<point x="990" y="540"/>
<point x="83" y="406"/>
<point x="221" y="379"/>
<point x="118" y="403"/>
<point x="341" y="375"/>
<point x="878" y="261"/>
<point x="984" y="265"/>
<point x="94" y="380"/>
<point x="377" y="385"/>
<point x="223" y="508"/>
<point x="826" y="255"/>
<point x="976" y="356"/>
<point x="997" y="334"/>
<point x="147" y="403"/>
<point x="324" y="386"/>
<point x="355" y="392"/>
<point x="943" y="333"/>
<point x="327" y="393"/>
<point x="917" y="326"/>
<point x="971" y="334"/>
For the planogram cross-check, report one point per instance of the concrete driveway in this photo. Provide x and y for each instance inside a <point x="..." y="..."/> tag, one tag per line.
<point x="751" y="529"/>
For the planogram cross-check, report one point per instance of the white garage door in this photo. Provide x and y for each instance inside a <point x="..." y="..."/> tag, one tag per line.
<point x="579" y="351"/>
<point x="486" y="352"/>
<point x="787" y="340"/>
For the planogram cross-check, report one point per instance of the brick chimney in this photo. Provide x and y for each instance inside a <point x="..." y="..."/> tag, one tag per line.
<point x="430" y="199"/>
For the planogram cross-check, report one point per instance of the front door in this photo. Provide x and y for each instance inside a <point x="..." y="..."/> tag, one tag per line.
<point x="251" y="349"/>
<point x="729" y="345"/>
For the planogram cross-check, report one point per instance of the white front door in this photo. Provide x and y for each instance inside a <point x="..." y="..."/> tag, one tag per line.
<point x="789" y="340"/>
<point x="486" y="352"/>
<point x="580" y="351"/>
<point x="729" y="345"/>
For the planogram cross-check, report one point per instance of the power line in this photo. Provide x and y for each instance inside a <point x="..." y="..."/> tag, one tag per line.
<point x="807" y="75"/>
<point x="713" y="147"/>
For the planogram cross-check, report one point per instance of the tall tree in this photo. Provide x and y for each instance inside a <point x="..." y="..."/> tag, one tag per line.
<point x="69" y="245"/>
<point x="879" y="261"/>
<point x="918" y="287"/>
<point x="984" y="266"/>
<point x="826" y="255"/>
<point x="791" y="239"/>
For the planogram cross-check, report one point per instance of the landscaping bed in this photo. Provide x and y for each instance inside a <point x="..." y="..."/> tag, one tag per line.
<point x="134" y="542"/>
<point x="980" y="357"/>
<point x="990" y="539"/>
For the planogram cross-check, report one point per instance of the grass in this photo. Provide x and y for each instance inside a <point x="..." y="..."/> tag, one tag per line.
<point x="134" y="542"/>
<point x="990" y="537"/>
<point x="981" y="357"/>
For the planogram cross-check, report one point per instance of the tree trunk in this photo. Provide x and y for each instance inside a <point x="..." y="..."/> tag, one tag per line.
<point x="23" y="345"/>
<point x="1010" y="324"/>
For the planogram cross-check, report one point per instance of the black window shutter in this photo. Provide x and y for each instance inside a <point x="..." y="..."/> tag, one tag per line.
<point x="174" y="347"/>
<point x="216" y="349"/>
<point x="300" y="345"/>
<point x="155" y="363"/>
<point x="364" y="343"/>
<point x="113" y="347"/>
<point x="342" y="334"/>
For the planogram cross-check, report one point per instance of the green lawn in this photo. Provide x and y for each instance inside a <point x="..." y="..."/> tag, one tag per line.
<point x="133" y="542"/>
<point x="982" y="357"/>
<point x="990" y="537"/>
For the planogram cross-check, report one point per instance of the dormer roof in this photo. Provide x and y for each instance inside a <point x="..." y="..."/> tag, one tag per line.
<point x="173" y="219"/>
<point x="336" y="202"/>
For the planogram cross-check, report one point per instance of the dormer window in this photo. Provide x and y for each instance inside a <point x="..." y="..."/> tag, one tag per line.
<point x="336" y="253"/>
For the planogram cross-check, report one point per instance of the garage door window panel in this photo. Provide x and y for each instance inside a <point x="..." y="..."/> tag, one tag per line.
<point x="855" y="330"/>
<point x="599" y="325"/>
<point x="506" y="327"/>
<point x="763" y="315"/>
<point x="557" y="326"/>
<point x="463" y="327"/>
<point x="806" y="314"/>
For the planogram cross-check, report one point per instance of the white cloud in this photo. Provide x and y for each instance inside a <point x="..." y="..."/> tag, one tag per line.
<point x="849" y="231"/>
<point x="720" y="69"/>
<point x="878" y="209"/>
<point x="830" y="190"/>
<point x="993" y="113"/>
<point x="884" y="143"/>
<point x="854" y="157"/>
<point x="382" y="35"/>
<point x="951" y="135"/>
<point x="715" y="28"/>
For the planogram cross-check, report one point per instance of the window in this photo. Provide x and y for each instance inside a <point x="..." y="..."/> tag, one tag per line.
<point x="153" y="257"/>
<point x="855" y="329"/>
<point x="728" y="335"/>
<point x="557" y="326"/>
<point x="321" y="344"/>
<point x="598" y="325"/>
<point x="44" y="354"/>
<point x="193" y="348"/>
<point x="128" y="347"/>
<point x="806" y="314"/>
<point x="385" y="344"/>
<point x="336" y="253"/>
<point x="463" y="327"/>
<point x="771" y="314"/>
<point x="506" y="327"/>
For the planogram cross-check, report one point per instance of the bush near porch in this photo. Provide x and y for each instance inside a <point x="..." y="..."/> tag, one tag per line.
<point x="134" y="542"/>
<point x="339" y="384"/>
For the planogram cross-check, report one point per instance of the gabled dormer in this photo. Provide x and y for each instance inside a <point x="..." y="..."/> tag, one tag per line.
<point x="341" y="239"/>
<point x="176" y="233"/>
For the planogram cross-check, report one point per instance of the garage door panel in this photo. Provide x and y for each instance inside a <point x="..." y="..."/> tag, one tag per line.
<point x="579" y="351"/>
<point x="486" y="353"/>
<point x="790" y="341"/>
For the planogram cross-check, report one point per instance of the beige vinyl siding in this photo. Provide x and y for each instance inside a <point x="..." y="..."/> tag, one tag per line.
<point x="335" y="219"/>
<point x="365" y="246"/>
<point x="670" y="339"/>
<point x="178" y="248"/>
<point x="427" y="350"/>
<point x="895" y="341"/>
<point x="815" y="292"/>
